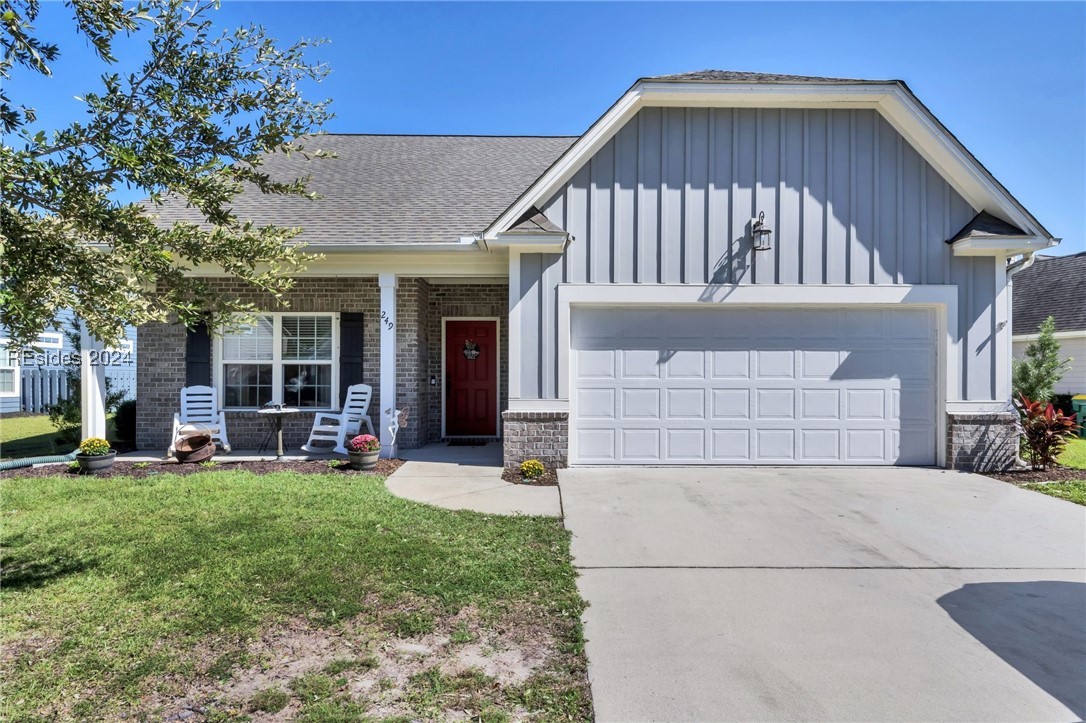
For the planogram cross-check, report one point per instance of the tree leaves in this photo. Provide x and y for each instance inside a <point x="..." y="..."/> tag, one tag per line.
<point x="192" y="126"/>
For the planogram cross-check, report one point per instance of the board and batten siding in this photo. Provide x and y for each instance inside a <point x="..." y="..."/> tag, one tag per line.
<point x="670" y="198"/>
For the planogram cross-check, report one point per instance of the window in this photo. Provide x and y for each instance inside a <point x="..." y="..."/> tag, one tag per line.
<point x="7" y="382"/>
<point x="282" y="359"/>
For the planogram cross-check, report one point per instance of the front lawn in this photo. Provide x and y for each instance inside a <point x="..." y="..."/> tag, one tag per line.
<point x="1074" y="455"/>
<point x="229" y="594"/>
<point x="30" y="435"/>
<point x="1074" y="491"/>
<point x="33" y="435"/>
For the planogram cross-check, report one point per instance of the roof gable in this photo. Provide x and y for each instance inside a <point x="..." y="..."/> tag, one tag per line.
<point x="717" y="88"/>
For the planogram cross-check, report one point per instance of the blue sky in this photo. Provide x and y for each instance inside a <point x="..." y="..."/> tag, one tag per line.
<point x="1009" y="79"/>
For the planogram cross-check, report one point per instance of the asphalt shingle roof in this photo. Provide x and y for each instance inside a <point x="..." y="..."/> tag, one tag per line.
<point x="735" y="76"/>
<point x="985" y="225"/>
<point x="389" y="189"/>
<point x="1054" y="286"/>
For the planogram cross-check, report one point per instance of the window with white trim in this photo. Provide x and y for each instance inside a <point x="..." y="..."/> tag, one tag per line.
<point x="9" y="370"/>
<point x="280" y="358"/>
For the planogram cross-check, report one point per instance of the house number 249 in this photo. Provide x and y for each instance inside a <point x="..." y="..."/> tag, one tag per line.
<point x="387" y="321"/>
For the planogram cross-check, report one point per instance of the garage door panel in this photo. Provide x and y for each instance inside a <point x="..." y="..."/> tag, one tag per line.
<point x="820" y="446"/>
<point x="730" y="445"/>
<point x="731" y="404"/>
<point x="641" y="444"/>
<point x="730" y="364"/>
<point x="820" y="404"/>
<point x="597" y="403"/>
<point x="640" y="363"/>
<point x="640" y="404"/>
<point x="686" y="404"/>
<point x="775" y="364"/>
<point x="686" y="445"/>
<point x="754" y="385"/>
<point x="775" y="404"/>
<point x="775" y="445"/>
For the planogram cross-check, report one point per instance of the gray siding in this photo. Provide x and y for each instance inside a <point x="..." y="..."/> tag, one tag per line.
<point x="669" y="200"/>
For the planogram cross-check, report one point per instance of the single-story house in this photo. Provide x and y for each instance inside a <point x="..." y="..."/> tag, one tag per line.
<point x="725" y="268"/>
<point x="1053" y="286"/>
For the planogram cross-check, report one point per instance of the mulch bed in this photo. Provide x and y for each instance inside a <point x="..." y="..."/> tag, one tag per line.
<point x="549" y="478"/>
<point x="1054" y="473"/>
<point x="123" y="468"/>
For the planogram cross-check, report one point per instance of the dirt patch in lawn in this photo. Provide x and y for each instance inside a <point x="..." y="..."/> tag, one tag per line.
<point x="460" y="668"/>
<point x="549" y="478"/>
<point x="1055" y="473"/>
<point x="123" y="468"/>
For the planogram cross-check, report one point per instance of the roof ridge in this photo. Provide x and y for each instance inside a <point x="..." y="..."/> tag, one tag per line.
<point x="438" y="135"/>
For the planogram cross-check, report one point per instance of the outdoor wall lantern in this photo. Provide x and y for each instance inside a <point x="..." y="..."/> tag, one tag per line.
<point x="761" y="233"/>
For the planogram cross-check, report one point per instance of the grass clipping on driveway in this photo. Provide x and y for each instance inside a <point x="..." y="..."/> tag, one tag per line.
<point x="313" y="597"/>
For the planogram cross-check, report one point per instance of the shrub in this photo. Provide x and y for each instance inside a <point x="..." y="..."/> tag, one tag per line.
<point x="94" y="446"/>
<point x="531" y="468"/>
<point x="1045" y="430"/>
<point x="1037" y="374"/>
<point x="125" y="422"/>
<point x="1062" y="402"/>
<point x="364" y="443"/>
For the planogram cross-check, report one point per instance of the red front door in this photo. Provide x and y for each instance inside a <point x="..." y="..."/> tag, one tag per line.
<point x="471" y="378"/>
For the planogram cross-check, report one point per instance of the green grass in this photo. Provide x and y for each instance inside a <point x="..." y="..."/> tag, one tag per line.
<point x="1074" y="491"/>
<point x="33" y="435"/>
<point x="113" y="586"/>
<point x="30" y="436"/>
<point x="1074" y="455"/>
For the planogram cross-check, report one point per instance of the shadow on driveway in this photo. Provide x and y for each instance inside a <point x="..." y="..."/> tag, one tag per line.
<point x="1039" y="627"/>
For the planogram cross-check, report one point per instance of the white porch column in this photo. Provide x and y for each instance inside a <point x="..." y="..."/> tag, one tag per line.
<point x="514" y="330"/>
<point x="92" y="386"/>
<point x="387" y="282"/>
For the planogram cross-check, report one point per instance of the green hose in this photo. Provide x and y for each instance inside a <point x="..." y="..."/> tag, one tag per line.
<point x="31" y="461"/>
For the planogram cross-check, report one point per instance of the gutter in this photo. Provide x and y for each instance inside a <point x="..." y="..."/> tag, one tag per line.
<point x="469" y="245"/>
<point x="1027" y="260"/>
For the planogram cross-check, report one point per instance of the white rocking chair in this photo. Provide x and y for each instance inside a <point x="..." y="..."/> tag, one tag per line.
<point x="200" y="408"/>
<point x="334" y="429"/>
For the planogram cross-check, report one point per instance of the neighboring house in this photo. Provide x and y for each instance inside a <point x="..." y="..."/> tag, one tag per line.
<point x="598" y="300"/>
<point x="34" y="378"/>
<point x="1054" y="286"/>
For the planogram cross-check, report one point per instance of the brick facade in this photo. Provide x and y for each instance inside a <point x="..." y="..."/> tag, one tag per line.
<point x="420" y="306"/>
<point x="535" y="435"/>
<point x="981" y="442"/>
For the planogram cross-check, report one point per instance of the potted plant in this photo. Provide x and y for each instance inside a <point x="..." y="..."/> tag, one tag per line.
<point x="95" y="455"/>
<point x="363" y="451"/>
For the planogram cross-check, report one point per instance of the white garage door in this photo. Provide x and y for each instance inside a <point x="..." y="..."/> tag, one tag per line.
<point x="753" y="386"/>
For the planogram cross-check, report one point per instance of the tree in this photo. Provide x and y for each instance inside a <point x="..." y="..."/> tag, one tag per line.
<point x="1036" y="376"/>
<point x="191" y="126"/>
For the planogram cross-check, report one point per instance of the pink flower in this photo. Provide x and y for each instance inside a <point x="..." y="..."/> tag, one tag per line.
<point x="364" y="443"/>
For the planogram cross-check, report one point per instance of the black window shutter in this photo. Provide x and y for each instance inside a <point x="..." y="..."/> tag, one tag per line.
<point x="350" y="350"/>
<point x="198" y="356"/>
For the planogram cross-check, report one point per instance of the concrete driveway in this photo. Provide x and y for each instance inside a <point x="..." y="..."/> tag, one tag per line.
<point x="828" y="594"/>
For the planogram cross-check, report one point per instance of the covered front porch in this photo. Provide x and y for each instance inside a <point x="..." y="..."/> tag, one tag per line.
<point x="395" y="333"/>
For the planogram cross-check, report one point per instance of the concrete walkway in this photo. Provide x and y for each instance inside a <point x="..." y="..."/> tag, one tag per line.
<point x="827" y="594"/>
<point x="468" y="478"/>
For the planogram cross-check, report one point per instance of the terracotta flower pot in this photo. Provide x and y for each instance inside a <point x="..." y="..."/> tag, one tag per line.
<point x="96" y="462"/>
<point x="363" y="460"/>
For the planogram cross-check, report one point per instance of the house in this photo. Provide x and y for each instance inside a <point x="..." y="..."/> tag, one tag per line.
<point x="614" y="298"/>
<point x="33" y="378"/>
<point x="1053" y="286"/>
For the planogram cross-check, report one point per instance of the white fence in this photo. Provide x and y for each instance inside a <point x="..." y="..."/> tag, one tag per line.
<point x="42" y="387"/>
